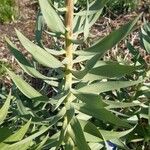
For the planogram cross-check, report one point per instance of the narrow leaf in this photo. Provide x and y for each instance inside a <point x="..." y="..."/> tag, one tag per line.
<point x="24" y="63"/>
<point x="19" y="134"/>
<point x="4" y="109"/>
<point x="39" y="54"/>
<point x="100" y="87"/>
<point x="42" y="143"/>
<point x="15" y="137"/>
<point x="111" y="40"/>
<point x="146" y="41"/>
<point x="101" y="114"/>
<point x="109" y="71"/>
<point x="26" y="89"/>
<point x="51" y="17"/>
<point x="90" y="99"/>
<point x="96" y="133"/>
<point x="37" y="134"/>
<point x="116" y="104"/>
<point x="77" y="135"/>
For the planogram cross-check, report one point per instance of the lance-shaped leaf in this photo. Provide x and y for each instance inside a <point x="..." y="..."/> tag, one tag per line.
<point x="95" y="6"/>
<point x="109" y="71"/>
<point x="146" y="40"/>
<point x="89" y="65"/>
<point x="81" y="59"/>
<point x="20" y="133"/>
<point x="100" y="87"/>
<point x="26" y="89"/>
<point x="39" y="133"/>
<point x="109" y="135"/>
<point x="59" y="100"/>
<point x="51" y="17"/>
<point x="42" y="143"/>
<point x="104" y="70"/>
<point x="116" y="104"/>
<point x="28" y="67"/>
<point x="136" y="54"/>
<point x="111" y="40"/>
<point x="39" y="54"/>
<point x="90" y="99"/>
<point x="95" y="9"/>
<point x="55" y="52"/>
<point x="15" y="137"/>
<point x="24" y="63"/>
<point x="39" y="28"/>
<point x="91" y="129"/>
<point x="4" y="109"/>
<point x="100" y="113"/>
<point x="77" y="135"/>
<point x="70" y="112"/>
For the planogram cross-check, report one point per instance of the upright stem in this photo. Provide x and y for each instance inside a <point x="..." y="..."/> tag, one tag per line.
<point x="69" y="57"/>
<point x="69" y="45"/>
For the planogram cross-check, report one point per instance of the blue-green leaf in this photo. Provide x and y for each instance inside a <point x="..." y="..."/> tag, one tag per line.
<point x="38" y="53"/>
<point x="100" y="87"/>
<point x="39" y="133"/>
<point x="26" y="89"/>
<point x="51" y="17"/>
<point x="24" y="63"/>
<point x="111" y="40"/>
<point x="77" y="135"/>
<point x="100" y="113"/>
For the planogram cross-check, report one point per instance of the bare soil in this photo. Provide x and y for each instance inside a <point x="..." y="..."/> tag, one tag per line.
<point x="25" y="23"/>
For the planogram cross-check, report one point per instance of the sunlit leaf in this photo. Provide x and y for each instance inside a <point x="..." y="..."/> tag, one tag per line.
<point x="146" y="40"/>
<point x="51" y="17"/>
<point x="116" y="104"/>
<point x="101" y="114"/>
<point x="38" y="53"/>
<point x="4" y="109"/>
<point x="77" y="135"/>
<point x="90" y="99"/>
<point x="100" y="87"/>
<point x="109" y="71"/>
<point x="42" y="143"/>
<point x="95" y="10"/>
<point x="92" y="130"/>
<point x="111" y="40"/>
<point x="39" y="133"/>
<point x="24" y="63"/>
<point x="18" y="135"/>
<point x="26" y="89"/>
<point x="39" y="28"/>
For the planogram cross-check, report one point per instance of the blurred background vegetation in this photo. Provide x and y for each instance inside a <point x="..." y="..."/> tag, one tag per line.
<point x="7" y="10"/>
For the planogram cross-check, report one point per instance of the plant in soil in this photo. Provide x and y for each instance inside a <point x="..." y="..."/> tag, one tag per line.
<point x="83" y="102"/>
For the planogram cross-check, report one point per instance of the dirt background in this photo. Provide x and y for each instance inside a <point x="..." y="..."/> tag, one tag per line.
<point x="25" y="23"/>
